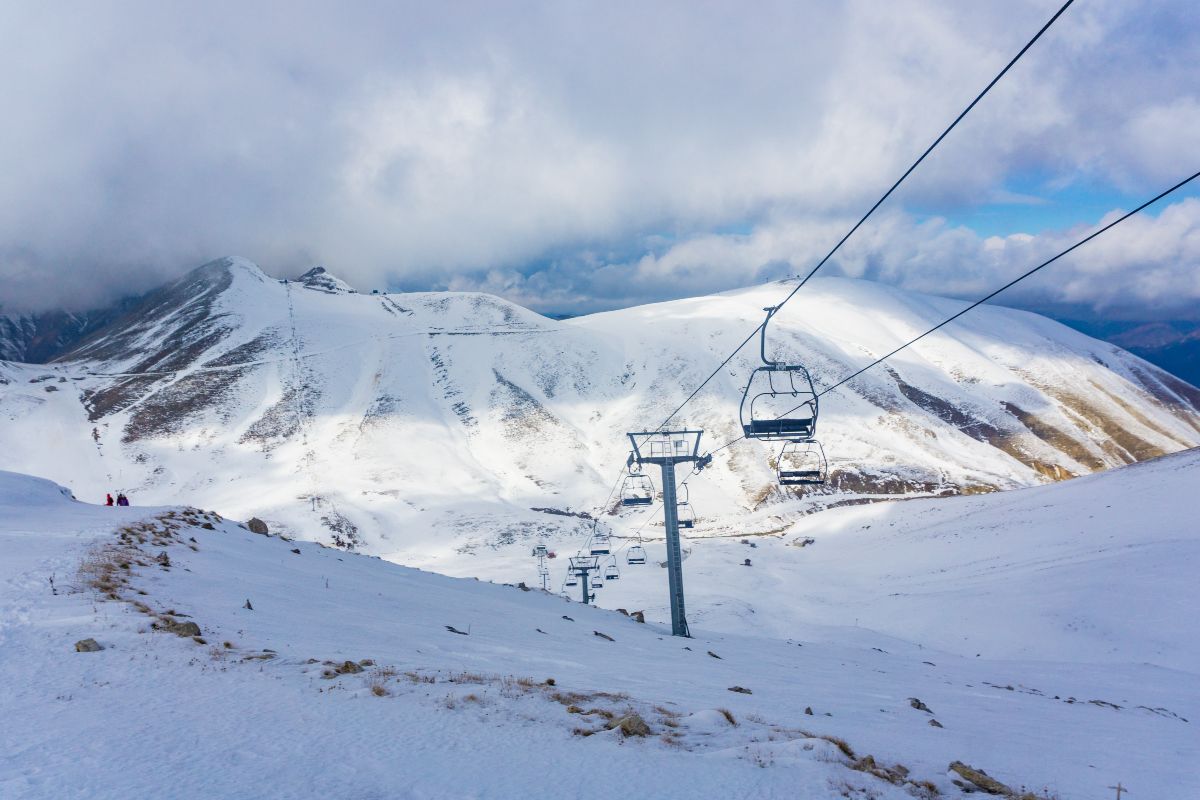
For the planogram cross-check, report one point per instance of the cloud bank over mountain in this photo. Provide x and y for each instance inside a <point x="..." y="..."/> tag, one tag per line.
<point x="581" y="156"/>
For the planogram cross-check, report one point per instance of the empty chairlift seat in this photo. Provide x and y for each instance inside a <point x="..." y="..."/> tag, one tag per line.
<point x="636" y="555"/>
<point x="780" y="402"/>
<point x="637" y="490"/>
<point x="683" y="508"/>
<point x="803" y="464"/>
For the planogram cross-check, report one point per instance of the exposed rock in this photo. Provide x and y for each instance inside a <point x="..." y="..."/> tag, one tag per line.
<point x="631" y="725"/>
<point x="256" y="525"/>
<point x="638" y="616"/>
<point x="980" y="778"/>
<point x="740" y="690"/>
<point x="896" y="774"/>
<point x="918" y="705"/>
<point x="348" y="668"/>
<point x="88" y="646"/>
<point x="808" y="710"/>
<point x="935" y="724"/>
<point x="181" y="628"/>
<point x="322" y="280"/>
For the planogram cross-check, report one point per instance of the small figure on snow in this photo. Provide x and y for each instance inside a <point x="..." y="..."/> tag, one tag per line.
<point x="122" y="500"/>
<point x="108" y="501"/>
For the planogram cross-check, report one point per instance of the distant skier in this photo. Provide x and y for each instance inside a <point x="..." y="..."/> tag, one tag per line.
<point x="108" y="501"/>
<point x="122" y="500"/>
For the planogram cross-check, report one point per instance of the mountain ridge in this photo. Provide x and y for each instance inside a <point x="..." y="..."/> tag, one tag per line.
<point x="456" y="413"/>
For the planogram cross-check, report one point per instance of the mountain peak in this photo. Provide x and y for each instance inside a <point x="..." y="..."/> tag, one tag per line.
<point x="322" y="280"/>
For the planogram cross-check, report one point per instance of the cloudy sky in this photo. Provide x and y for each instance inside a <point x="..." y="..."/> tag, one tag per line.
<point x="577" y="156"/>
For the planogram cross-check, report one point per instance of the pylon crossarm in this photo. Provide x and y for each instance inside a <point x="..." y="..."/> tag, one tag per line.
<point x="652" y="447"/>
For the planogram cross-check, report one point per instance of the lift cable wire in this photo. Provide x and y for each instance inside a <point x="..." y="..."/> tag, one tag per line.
<point x="846" y="237"/>
<point x="599" y="510"/>
<point x="1014" y="281"/>
<point x="984" y="299"/>
<point x="871" y="211"/>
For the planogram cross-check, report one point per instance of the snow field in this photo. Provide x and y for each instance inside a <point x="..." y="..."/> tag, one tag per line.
<point x="471" y="715"/>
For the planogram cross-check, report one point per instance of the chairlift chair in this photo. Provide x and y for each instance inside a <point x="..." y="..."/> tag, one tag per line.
<point x="597" y="582"/>
<point x="601" y="541"/>
<point x="636" y="555"/>
<point x="637" y="490"/>
<point x="611" y="573"/>
<point x="803" y="463"/>
<point x="780" y="401"/>
<point x="685" y="515"/>
<point x="540" y="551"/>
<point x="572" y="580"/>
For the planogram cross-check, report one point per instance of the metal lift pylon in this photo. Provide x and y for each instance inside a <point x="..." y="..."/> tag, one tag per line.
<point x="666" y="449"/>
<point x="583" y="567"/>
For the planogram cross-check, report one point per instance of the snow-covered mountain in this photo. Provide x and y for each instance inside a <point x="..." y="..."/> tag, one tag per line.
<point x="425" y="426"/>
<point x="1045" y="636"/>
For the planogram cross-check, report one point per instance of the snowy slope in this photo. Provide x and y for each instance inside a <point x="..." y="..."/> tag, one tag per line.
<point x="448" y="416"/>
<point x="1100" y="569"/>
<point x="441" y="714"/>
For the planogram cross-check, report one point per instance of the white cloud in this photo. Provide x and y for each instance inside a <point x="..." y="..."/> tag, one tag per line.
<point x="1151" y="261"/>
<point x="550" y="152"/>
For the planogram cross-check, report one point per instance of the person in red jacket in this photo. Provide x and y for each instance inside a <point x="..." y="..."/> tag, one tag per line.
<point x="108" y="501"/>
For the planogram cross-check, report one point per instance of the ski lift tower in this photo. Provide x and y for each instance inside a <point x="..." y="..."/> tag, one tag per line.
<point x="581" y="567"/>
<point x="541" y="552"/>
<point x="666" y="449"/>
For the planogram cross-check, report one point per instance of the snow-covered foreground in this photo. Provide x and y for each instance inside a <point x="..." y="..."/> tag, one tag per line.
<point x="444" y="714"/>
